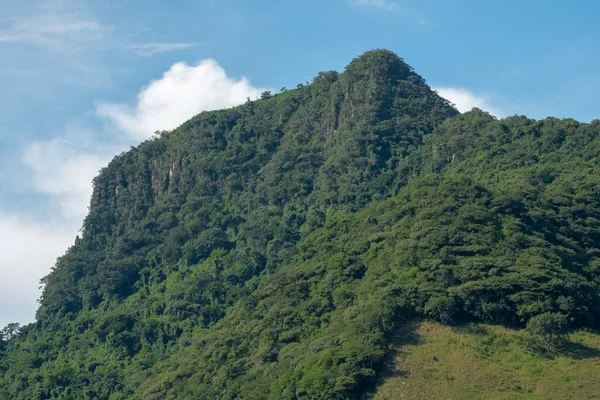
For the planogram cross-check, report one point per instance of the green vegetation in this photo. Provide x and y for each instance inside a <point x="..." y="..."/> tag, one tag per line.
<point x="489" y="362"/>
<point x="549" y="329"/>
<point x="274" y="250"/>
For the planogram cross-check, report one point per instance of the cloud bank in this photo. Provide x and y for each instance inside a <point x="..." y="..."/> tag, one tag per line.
<point x="465" y="100"/>
<point x="63" y="170"/>
<point x="182" y="92"/>
<point x="29" y="250"/>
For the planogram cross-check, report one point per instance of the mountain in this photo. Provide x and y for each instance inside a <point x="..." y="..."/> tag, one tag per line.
<point x="282" y="248"/>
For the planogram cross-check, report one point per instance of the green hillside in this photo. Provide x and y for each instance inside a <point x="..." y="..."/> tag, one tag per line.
<point x="276" y="249"/>
<point x="490" y="362"/>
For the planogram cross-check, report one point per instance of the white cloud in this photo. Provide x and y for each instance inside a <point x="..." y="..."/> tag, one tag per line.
<point x="29" y="249"/>
<point x="385" y="4"/>
<point x="63" y="170"/>
<point x="182" y="92"/>
<point x="464" y="100"/>
<point x="52" y="30"/>
<point x="149" y="49"/>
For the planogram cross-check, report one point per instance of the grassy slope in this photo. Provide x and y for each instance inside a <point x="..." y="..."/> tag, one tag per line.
<point x="491" y="362"/>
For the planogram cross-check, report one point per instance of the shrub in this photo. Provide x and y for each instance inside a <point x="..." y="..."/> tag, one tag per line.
<point x="548" y="330"/>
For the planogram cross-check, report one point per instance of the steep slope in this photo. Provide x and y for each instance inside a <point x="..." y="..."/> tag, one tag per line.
<point x="276" y="249"/>
<point x="185" y="225"/>
<point x="446" y="247"/>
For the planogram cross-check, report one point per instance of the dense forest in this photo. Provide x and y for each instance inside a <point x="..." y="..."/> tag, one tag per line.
<point x="274" y="250"/>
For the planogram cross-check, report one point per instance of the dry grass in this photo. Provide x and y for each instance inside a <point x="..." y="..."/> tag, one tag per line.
<point x="491" y="362"/>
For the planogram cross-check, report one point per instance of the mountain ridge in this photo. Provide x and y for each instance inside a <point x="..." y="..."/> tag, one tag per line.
<point x="271" y="250"/>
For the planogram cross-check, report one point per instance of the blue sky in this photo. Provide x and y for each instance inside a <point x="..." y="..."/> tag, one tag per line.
<point x="82" y="80"/>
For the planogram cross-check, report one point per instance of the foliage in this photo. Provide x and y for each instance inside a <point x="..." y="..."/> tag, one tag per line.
<point x="548" y="329"/>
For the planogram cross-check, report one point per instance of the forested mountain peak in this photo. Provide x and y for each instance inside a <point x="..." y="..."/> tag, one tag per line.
<point x="274" y="249"/>
<point x="375" y="81"/>
<point x="382" y="65"/>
